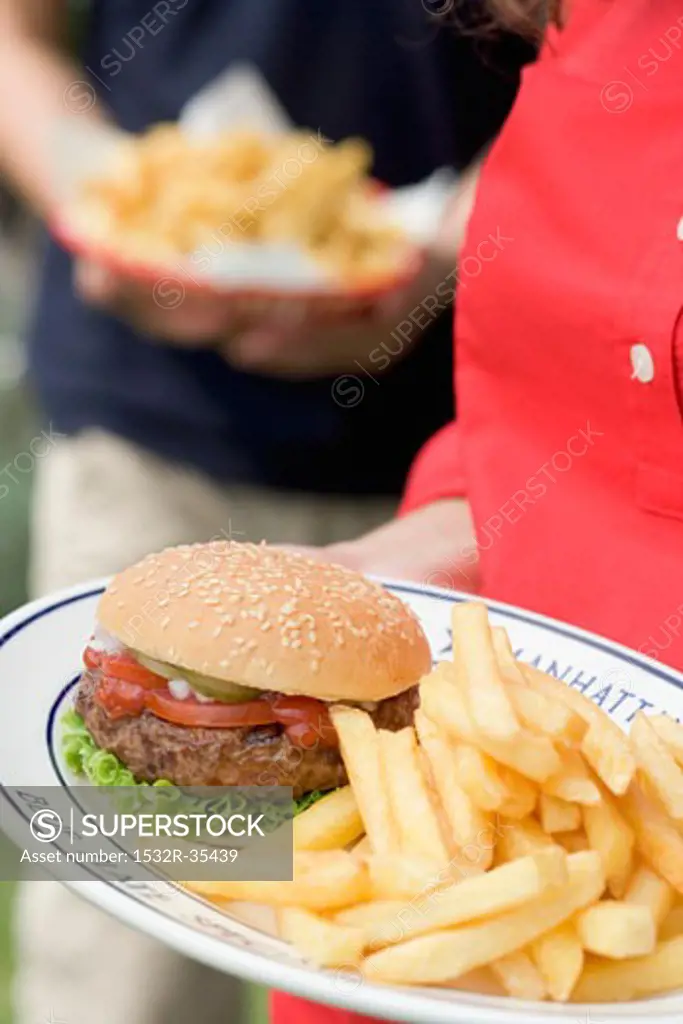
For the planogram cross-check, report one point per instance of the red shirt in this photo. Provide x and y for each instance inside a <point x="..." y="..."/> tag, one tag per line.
<point x="569" y="442"/>
<point x="569" y="341"/>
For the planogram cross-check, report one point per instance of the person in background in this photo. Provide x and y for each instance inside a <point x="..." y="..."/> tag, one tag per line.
<point x="560" y="488"/>
<point x="177" y="430"/>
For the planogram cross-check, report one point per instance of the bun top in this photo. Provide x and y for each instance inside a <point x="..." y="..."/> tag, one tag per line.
<point x="268" y="618"/>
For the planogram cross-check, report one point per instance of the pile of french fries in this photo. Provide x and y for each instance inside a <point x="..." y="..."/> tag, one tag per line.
<point x="168" y="196"/>
<point x="515" y="832"/>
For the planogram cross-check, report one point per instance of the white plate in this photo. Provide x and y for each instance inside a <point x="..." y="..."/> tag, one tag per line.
<point x="40" y="651"/>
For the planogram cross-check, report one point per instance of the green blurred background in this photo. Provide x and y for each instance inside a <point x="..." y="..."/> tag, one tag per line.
<point x="5" y="953"/>
<point x="18" y="423"/>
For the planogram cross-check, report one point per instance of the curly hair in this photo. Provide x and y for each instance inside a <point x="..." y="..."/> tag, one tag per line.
<point x="527" y="16"/>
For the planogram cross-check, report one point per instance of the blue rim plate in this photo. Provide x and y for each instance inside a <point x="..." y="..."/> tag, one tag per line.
<point x="40" y="652"/>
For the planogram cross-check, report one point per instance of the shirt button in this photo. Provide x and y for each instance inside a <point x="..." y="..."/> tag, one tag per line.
<point x="642" y="363"/>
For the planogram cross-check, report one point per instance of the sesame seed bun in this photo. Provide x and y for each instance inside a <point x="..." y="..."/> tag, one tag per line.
<point x="269" y="619"/>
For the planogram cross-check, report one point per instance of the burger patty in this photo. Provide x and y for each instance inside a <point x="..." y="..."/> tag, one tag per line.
<point x="241" y="756"/>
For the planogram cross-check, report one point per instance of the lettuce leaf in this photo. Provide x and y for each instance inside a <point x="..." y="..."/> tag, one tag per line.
<point x="302" y="803"/>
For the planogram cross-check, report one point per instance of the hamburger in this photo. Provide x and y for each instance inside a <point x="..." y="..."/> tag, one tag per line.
<point x="216" y="664"/>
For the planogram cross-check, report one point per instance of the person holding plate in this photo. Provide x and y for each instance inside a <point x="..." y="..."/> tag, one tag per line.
<point x="560" y="488"/>
<point x="176" y="428"/>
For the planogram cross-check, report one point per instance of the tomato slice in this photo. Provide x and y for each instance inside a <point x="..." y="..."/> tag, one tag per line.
<point x="125" y="667"/>
<point x="192" y="712"/>
<point x="294" y="709"/>
<point x="120" y="698"/>
<point x="307" y="721"/>
<point x="91" y="659"/>
<point x="304" y="735"/>
<point x="128" y="688"/>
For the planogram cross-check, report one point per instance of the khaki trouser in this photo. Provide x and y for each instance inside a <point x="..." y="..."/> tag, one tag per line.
<point x="100" y="504"/>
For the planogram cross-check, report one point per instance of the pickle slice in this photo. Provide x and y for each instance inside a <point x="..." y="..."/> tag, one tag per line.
<point x="162" y="668"/>
<point x="217" y="689"/>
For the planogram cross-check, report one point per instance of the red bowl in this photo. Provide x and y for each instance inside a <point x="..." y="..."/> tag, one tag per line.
<point x="327" y="303"/>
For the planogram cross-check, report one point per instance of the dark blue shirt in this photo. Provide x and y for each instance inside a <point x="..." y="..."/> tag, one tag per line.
<point x="424" y="96"/>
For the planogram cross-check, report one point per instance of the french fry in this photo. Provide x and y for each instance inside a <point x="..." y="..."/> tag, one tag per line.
<point x="478" y="775"/>
<point x="508" y="666"/>
<point x="647" y="889"/>
<point x="369" y="915"/>
<point x="411" y="802"/>
<point x="520" y="977"/>
<point x="617" y="930"/>
<point x="384" y="922"/>
<point x="607" y="751"/>
<point x="471" y="828"/>
<point x="557" y="815"/>
<point x="671" y="733"/>
<point x="605" y="746"/>
<point x="552" y="864"/>
<point x="430" y="959"/>
<point x="329" y="824"/>
<point x="672" y="927"/>
<point x="572" y="782"/>
<point x="486" y="696"/>
<point x="531" y="755"/>
<point x="535" y="710"/>
<point x="610" y="834"/>
<point x="481" y="896"/>
<point x="521" y="839"/>
<point x="435" y="801"/>
<point x="325" y="943"/>
<point x="559" y="957"/>
<point x="360" y="750"/>
<point x="493" y="787"/>
<point x="522" y="796"/>
<point x="362" y="848"/>
<point x="573" y="842"/>
<point x="402" y="877"/>
<point x="660" y="972"/>
<point x="550" y="718"/>
<point x="324" y="880"/>
<point x="657" y="839"/>
<point x="658" y="765"/>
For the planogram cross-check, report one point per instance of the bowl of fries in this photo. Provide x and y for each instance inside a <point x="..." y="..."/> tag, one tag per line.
<point x="234" y="200"/>
<point x="244" y="213"/>
<point x="514" y="856"/>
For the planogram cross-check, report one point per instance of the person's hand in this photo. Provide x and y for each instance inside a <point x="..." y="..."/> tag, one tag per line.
<point x="292" y="341"/>
<point x="287" y="339"/>
<point x="433" y="545"/>
<point x="163" y="310"/>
